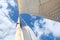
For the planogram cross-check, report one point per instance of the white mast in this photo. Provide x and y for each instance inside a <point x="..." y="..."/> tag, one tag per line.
<point x="19" y="33"/>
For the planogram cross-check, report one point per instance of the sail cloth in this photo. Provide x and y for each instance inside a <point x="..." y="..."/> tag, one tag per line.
<point x="28" y="33"/>
<point x="19" y="33"/>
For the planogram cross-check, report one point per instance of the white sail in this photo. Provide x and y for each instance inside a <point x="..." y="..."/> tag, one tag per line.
<point x="28" y="33"/>
<point x="19" y="33"/>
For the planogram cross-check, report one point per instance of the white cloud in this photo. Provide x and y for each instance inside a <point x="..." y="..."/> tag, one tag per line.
<point x="37" y="29"/>
<point x="53" y="26"/>
<point x="7" y="25"/>
<point x="3" y="3"/>
<point x="12" y="3"/>
<point x="10" y="37"/>
<point x="48" y="27"/>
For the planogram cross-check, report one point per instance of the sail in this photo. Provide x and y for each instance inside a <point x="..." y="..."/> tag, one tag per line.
<point x="19" y="33"/>
<point x="28" y="33"/>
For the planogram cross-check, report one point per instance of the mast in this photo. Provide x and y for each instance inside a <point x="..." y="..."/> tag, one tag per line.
<point x="19" y="33"/>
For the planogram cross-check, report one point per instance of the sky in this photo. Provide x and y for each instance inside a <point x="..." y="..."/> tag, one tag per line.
<point x="44" y="29"/>
<point x="8" y="19"/>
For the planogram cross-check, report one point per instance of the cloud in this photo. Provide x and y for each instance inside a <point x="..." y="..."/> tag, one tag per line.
<point x="53" y="26"/>
<point x="12" y="3"/>
<point x="49" y="27"/>
<point x="3" y="3"/>
<point x="37" y="30"/>
<point x="7" y="25"/>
